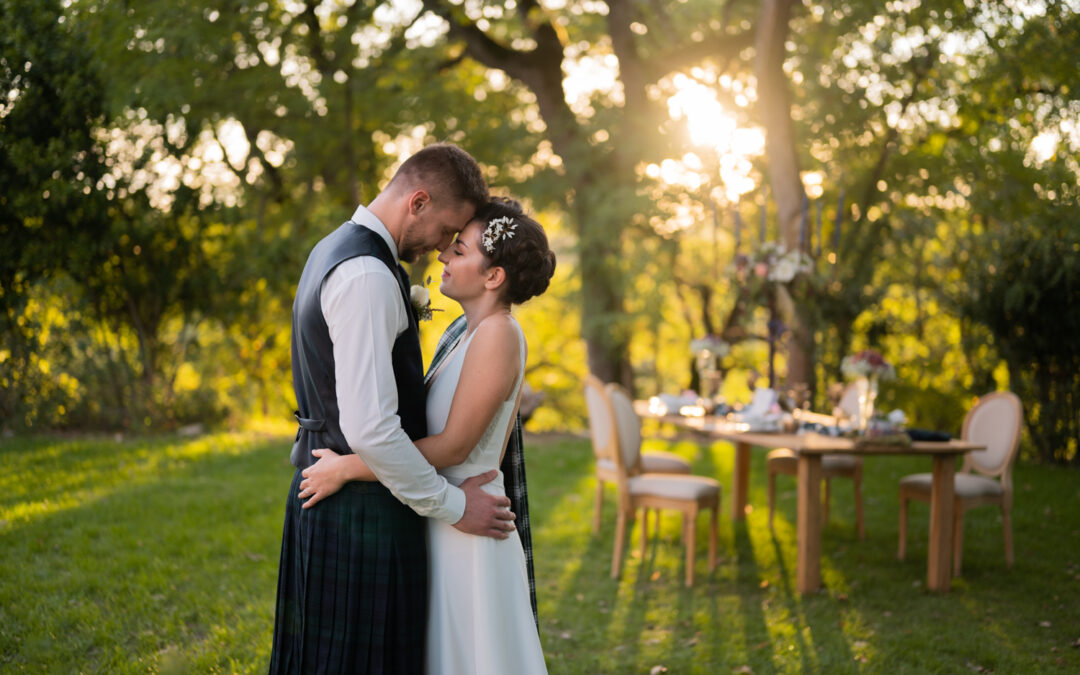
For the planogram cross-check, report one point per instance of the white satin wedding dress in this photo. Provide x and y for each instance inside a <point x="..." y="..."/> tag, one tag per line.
<point x="480" y="619"/>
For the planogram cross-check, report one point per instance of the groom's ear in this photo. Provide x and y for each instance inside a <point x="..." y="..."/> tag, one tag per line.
<point x="418" y="201"/>
<point x="496" y="276"/>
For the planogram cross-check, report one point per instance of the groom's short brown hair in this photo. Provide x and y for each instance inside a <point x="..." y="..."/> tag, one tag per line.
<point x="445" y="170"/>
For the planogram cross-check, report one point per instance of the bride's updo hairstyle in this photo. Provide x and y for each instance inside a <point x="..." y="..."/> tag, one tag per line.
<point x="517" y="243"/>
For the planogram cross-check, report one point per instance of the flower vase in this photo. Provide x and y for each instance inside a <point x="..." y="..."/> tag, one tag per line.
<point x="868" y="390"/>
<point x="708" y="374"/>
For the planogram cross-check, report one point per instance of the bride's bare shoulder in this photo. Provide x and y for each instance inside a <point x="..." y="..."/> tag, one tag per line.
<point x="497" y="333"/>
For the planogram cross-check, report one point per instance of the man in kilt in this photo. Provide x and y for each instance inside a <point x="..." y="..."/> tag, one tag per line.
<point x="352" y="580"/>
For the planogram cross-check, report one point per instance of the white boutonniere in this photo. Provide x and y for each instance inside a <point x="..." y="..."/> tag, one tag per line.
<point x="421" y="301"/>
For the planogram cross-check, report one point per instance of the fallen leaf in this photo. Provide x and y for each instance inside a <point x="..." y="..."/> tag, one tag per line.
<point x="744" y="669"/>
<point x="764" y="583"/>
<point x="656" y="670"/>
<point x="859" y="644"/>
<point x="886" y="613"/>
<point x="761" y="645"/>
<point x="655" y="575"/>
<point x="566" y="635"/>
<point x="842" y="597"/>
<point x="1045" y="624"/>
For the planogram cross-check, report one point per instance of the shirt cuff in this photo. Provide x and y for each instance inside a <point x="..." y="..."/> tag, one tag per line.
<point x="453" y="508"/>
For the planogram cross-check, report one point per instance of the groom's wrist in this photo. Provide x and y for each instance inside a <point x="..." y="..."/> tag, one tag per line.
<point x="453" y="508"/>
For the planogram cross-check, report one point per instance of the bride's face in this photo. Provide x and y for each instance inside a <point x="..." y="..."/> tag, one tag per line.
<point x="465" y="269"/>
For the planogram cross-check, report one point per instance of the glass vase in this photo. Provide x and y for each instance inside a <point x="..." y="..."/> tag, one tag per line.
<point x="868" y="390"/>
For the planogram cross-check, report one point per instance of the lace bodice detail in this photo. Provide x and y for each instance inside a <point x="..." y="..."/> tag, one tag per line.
<point x="488" y="452"/>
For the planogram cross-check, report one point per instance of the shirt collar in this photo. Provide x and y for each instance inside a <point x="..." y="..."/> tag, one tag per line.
<point x="369" y="220"/>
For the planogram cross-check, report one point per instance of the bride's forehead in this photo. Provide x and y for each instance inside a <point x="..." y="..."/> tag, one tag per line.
<point x="472" y="230"/>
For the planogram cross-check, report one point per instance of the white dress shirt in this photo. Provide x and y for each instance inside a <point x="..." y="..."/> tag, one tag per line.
<point x="365" y="312"/>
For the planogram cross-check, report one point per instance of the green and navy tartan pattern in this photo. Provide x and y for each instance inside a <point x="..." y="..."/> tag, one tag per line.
<point x="513" y="464"/>
<point x="352" y="585"/>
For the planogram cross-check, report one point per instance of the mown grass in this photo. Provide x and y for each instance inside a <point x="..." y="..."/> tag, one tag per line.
<point x="161" y="555"/>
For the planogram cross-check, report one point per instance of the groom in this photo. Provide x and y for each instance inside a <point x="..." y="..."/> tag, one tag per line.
<point x="352" y="584"/>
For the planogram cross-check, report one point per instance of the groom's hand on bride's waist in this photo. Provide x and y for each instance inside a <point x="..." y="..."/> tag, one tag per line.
<point x="486" y="515"/>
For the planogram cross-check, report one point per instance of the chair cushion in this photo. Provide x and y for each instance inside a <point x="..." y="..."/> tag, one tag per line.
<point x="673" y="486"/>
<point x="658" y="462"/>
<point x="663" y="462"/>
<point x="966" y="484"/>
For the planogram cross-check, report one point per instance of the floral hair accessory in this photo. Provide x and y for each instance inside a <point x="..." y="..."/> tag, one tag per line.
<point x="497" y="230"/>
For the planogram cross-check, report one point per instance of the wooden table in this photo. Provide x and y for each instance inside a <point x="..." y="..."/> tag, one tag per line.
<point x="810" y="448"/>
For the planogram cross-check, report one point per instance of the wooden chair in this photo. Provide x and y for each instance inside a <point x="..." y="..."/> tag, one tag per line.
<point x="684" y="493"/>
<point x="784" y="461"/>
<point x="604" y="443"/>
<point x="985" y="478"/>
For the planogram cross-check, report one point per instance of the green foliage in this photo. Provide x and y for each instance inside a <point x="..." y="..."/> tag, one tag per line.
<point x="220" y="142"/>
<point x="1027" y="293"/>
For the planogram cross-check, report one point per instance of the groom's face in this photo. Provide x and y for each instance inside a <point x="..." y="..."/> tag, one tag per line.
<point x="433" y="225"/>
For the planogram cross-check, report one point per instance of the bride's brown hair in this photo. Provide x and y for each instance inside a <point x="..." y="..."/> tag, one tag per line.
<point x="524" y="253"/>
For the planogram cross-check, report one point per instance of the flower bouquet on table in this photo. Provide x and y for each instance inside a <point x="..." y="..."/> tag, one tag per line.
<point x="867" y="363"/>
<point x="867" y="367"/>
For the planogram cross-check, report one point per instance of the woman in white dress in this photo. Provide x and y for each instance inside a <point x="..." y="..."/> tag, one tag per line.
<point x="480" y="618"/>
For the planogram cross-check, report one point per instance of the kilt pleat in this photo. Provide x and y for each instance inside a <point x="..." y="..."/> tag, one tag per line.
<point x="352" y="585"/>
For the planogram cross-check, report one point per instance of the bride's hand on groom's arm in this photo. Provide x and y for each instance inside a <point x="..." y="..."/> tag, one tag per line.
<point x="329" y="473"/>
<point x="486" y="515"/>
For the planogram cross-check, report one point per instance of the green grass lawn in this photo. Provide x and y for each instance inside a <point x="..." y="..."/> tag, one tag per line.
<point x="161" y="555"/>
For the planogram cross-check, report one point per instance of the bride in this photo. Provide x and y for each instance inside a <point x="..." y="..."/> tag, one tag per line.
<point x="480" y="616"/>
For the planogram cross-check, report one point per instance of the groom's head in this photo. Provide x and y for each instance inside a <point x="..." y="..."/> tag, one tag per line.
<point x="435" y="192"/>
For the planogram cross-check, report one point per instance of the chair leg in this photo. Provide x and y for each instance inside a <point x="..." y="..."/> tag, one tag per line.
<point x="599" y="505"/>
<point x="689" y="530"/>
<point x="958" y="539"/>
<point x="712" y="534"/>
<point x="828" y="498"/>
<point x="772" y="496"/>
<point x="1006" y="523"/>
<point x="645" y="531"/>
<point x="856" y="480"/>
<point x="620" y="539"/>
<point x="901" y="548"/>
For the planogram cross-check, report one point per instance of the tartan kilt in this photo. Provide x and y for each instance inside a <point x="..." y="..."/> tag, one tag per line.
<point x="352" y="585"/>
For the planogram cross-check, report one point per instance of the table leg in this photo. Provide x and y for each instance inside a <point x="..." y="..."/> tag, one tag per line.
<point x="808" y="570"/>
<point x="740" y="481"/>
<point x="942" y="491"/>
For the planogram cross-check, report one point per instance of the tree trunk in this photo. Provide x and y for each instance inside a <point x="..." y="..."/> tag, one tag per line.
<point x="774" y="106"/>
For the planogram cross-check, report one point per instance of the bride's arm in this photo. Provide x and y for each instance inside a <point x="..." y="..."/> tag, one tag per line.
<point x="486" y="381"/>
<point x="329" y="473"/>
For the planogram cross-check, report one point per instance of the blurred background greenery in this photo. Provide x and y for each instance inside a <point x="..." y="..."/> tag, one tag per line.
<point x="166" y="166"/>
